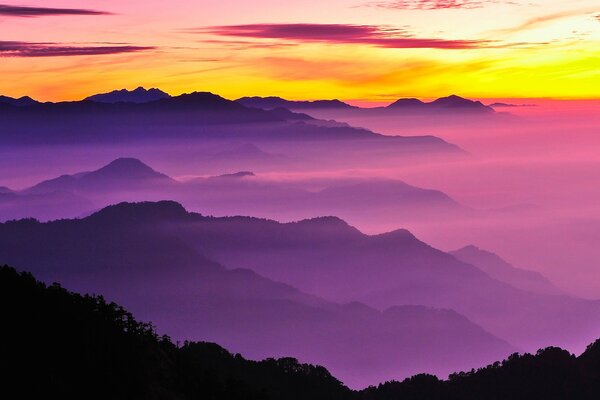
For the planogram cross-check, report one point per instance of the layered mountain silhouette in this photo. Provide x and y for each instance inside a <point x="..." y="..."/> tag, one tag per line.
<point x="331" y="259"/>
<point x="120" y="174"/>
<point x="129" y="179"/>
<point x="328" y="258"/>
<point x="138" y="95"/>
<point x="199" y="116"/>
<point x="59" y="344"/>
<point x="277" y="102"/>
<point x="145" y="257"/>
<point x="452" y="104"/>
<point x="18" y="102"/>
<point x="499" y="269"/>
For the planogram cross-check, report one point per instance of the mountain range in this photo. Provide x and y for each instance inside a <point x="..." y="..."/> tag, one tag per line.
<point x="329" y="262"/>
<point x="70" y="344"/>
<point x="129" y="179"/>
<point x="195" y="118"/>
<point x="145" y="257"/>
<point x="138" y="95"/>
<point x="500" y="269"/>
<point x="453" y="103"/>
<point x="24" y="101"/>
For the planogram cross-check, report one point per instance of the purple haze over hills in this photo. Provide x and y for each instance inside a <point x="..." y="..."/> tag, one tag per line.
<point x="141" y="256"/>
<point x="129" y="179"/>
<point x="499" y="269"/>
<point x="524" y="187"/>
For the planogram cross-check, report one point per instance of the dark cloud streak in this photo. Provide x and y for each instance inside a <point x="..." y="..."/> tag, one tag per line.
<point x="374" y="35"/>
<point x="28" y="49"/>
<point x="31" y="12"/>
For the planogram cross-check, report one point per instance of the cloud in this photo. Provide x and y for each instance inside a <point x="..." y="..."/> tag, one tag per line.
<point x="434" y="4"/>
<point x="24" y="11"/>
<point x="541" y="20"/>
<point x="374" y="35"/>
<point x="29" y="49"/>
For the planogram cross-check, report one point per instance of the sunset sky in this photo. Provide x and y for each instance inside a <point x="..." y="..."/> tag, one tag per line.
<point x="371" y="50"/>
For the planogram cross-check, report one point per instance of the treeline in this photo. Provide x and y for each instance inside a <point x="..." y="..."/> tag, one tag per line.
<point x="58" y="344"/>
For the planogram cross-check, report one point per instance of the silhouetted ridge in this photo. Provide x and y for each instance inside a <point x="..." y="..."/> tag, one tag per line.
<point x="455" y="101"/>
<point x="406" y="103"/>
<point x="122" y="173"/>
<point x="146" y="212"/>
<point x="18" y="102"/>
<point x="498" y="268"/>
<point x="396" y="236"/>
<point x="138" y="95"/>
<point x="329" y="221"/>
<point x="200" y="100"/>
<point x="272" y="102"/>
<point x="59" y="344"/>
<point x="130" y="168"/>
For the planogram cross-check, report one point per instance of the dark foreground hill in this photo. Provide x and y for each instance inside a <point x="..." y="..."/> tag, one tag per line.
<point x="58" y="344"/>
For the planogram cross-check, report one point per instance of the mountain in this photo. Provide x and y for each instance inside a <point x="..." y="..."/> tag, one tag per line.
<point x="198" y="117"/>
<point x="59" y="344"/>
<point x="456" y="103"/>
<point x="18" y="102"/>
<point x="5" y="190"/>
<point x="141" y="256"/>
<point x="268" y="103"/>
<point x="329" y="258"/>
<point x="139" y="95"/>
<point x="407" y="103"/>
<point x="453" y="103"/>
<point x="122" y="173"/>
<point x="499" y="269"/>
<point x="385" y="193"/>
<point x="131" y="180"/>
<point x="550" y="373"/>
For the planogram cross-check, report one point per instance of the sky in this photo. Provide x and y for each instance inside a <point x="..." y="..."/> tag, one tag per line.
<point x="361" y="50"/>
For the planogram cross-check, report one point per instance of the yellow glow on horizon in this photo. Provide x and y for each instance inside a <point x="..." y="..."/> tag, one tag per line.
<point x="555" y="56"/>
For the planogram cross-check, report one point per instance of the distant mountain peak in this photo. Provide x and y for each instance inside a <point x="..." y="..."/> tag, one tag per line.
<point x="498" y="268"/>
<point x="454" y="101"/>
<point x="406" y="102"/>
<point x="272" y="102"/>
<point x="128" y="168"/>
<point x="205" y="100"/>
<point x="138" y="95"/>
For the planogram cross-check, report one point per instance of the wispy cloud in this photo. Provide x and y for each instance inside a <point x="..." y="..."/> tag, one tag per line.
<point x="374" y="35"/>
<point x="544" y="19"/>
<point x="435" y="4"/>
<point x="29" y="49"/>
<point x="25" y="11"/>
